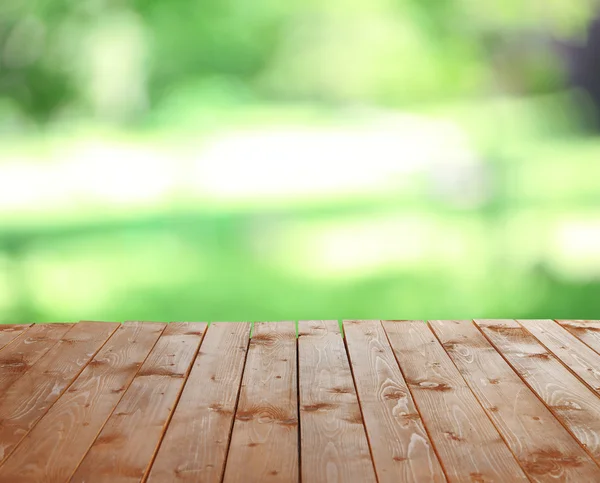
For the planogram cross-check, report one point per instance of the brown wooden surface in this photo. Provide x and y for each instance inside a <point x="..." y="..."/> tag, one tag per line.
<point x="573" y="403"/>
<point x="25" y="402"/>
<point x="128" y="441"/>
<point x="196" y="443"/>
<point x="544" y="449"/>
<point x="472" y="401"/>
<point x="467" y="443"/>
<point x="399" y="443"/>
<point x="334" y="445"/>
<point x="585" y="330"/>
<point x="17" y="358"/>
<point x="10" y="332"/>
<point x="573" y="353"/>
<point x="266" y="420"/>
<point x="53" y="449"/>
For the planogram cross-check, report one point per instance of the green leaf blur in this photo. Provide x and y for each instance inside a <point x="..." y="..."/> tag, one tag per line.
<point x="237" y="160"/>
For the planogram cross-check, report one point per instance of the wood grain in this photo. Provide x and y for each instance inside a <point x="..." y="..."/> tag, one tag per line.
<point x="26" y="350"/>
<point x="399" y="443"/>
<point x="9" y="332"/>
<point x="573" y="353"/>
<point x="467" y="443"/>
<point x="543" y="447"/>
<point x="570" y="401"/>
<point x="124" y="450"/>
<point x="264" y="442"/>
<point x="53" y="449"/>
<point x="195" y="445"/>
<point x="588" y="331"/>
<point x="30" y="396"/>
<point x="334" y="446"/>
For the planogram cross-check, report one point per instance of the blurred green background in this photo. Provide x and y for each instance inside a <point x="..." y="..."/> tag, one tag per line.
<point x="263" y="160"/>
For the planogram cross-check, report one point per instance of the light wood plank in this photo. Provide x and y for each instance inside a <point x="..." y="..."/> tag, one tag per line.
<point x="195" y="445"/>
<point x="543" y="447"/>
<point x="53" y="449"/>
<point x="334" y="446"/>
<point x="264" y="442"/>
<point x="125" y="448"/>
<point x="9" y="332"/>
<point x="467" y="443"/>
<point x="569" y="399"/>
<point x="572" y="352"/>
<point x="30" y="396"/>
<point x="588" y="331"/>
<point x="399" y="443"/>
<point x="27" y="349"/>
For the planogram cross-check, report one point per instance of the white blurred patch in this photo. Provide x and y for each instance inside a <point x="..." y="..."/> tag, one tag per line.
<point x="387" y="154"/>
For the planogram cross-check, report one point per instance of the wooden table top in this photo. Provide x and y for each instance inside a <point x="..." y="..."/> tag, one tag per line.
<point x="391" y="401"/>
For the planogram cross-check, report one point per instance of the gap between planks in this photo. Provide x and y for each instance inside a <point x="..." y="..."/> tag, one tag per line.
<point x="21" y="408"/>
<point x="555" y="384"/>
<point x="544" y="448"/>
<point x="80" y="414"/>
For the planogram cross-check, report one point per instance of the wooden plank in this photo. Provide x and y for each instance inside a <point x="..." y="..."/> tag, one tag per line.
<point x="30" y="396"/>
<point x="467" y="443"/>
<point x="27" y="349"/>
<point x="588" y="331"/>
<point x="572" y="352"/>
<point x="399" y="443"/>
<point x="53" y="449"/>
<point x="333" y="442"/>
<point x="264" y="442"/>
<point x="195" y="445"/>
<point x="570" y="401"/>
<point x="124" y="450"/>
<point x="543" y="447"/>
<point x="9" y="332"/>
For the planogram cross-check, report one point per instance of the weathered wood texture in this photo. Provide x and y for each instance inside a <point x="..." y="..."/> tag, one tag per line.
<point x="459" y="401"/>
<point x="571" y="402"/>
<point x="399" y="443"/>
<point x="25" y="350"/>
<point x="53" y="449"/>
<point x="586" y="330"/>
<point x="8" y="333"/>
<point x="264" y="442"/>
<point x="28" y="399"/>
<point x="196" y="442"/>
<point x="126" y="445"/>
<point x="573" y="353"/>
<point x="544" y="449"/>
<point x="467" y="443"/>
<point x="334" y="445"/>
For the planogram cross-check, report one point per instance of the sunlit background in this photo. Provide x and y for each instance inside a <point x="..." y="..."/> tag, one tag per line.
<point x="269" y="160"/>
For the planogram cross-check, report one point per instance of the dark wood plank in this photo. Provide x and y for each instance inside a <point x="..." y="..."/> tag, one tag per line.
<point x="53" y="449"/>
<point x="30" y="396"/>
<point x="543" y="447"/>
<point x="264" y="442"/>
<point x="124" y="450"/>
<point x="588" y="331"/>
<point x="334" y="445"/>
<point x="467" y="443"/>
<point x="572" y="352"/>
<point x="9" y="332"/>
<point x="27" y="349"/>
<point x="399" y="443"/>
<point x="195" y="445"/>
<point x="573" y="403"/>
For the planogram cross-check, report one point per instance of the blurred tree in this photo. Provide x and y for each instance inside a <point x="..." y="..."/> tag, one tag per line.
<point x="115" y="58"/>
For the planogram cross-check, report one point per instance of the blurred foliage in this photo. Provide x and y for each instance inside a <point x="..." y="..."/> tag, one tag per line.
<point x="117" y="58"/>
<point x="103" y="101"/>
